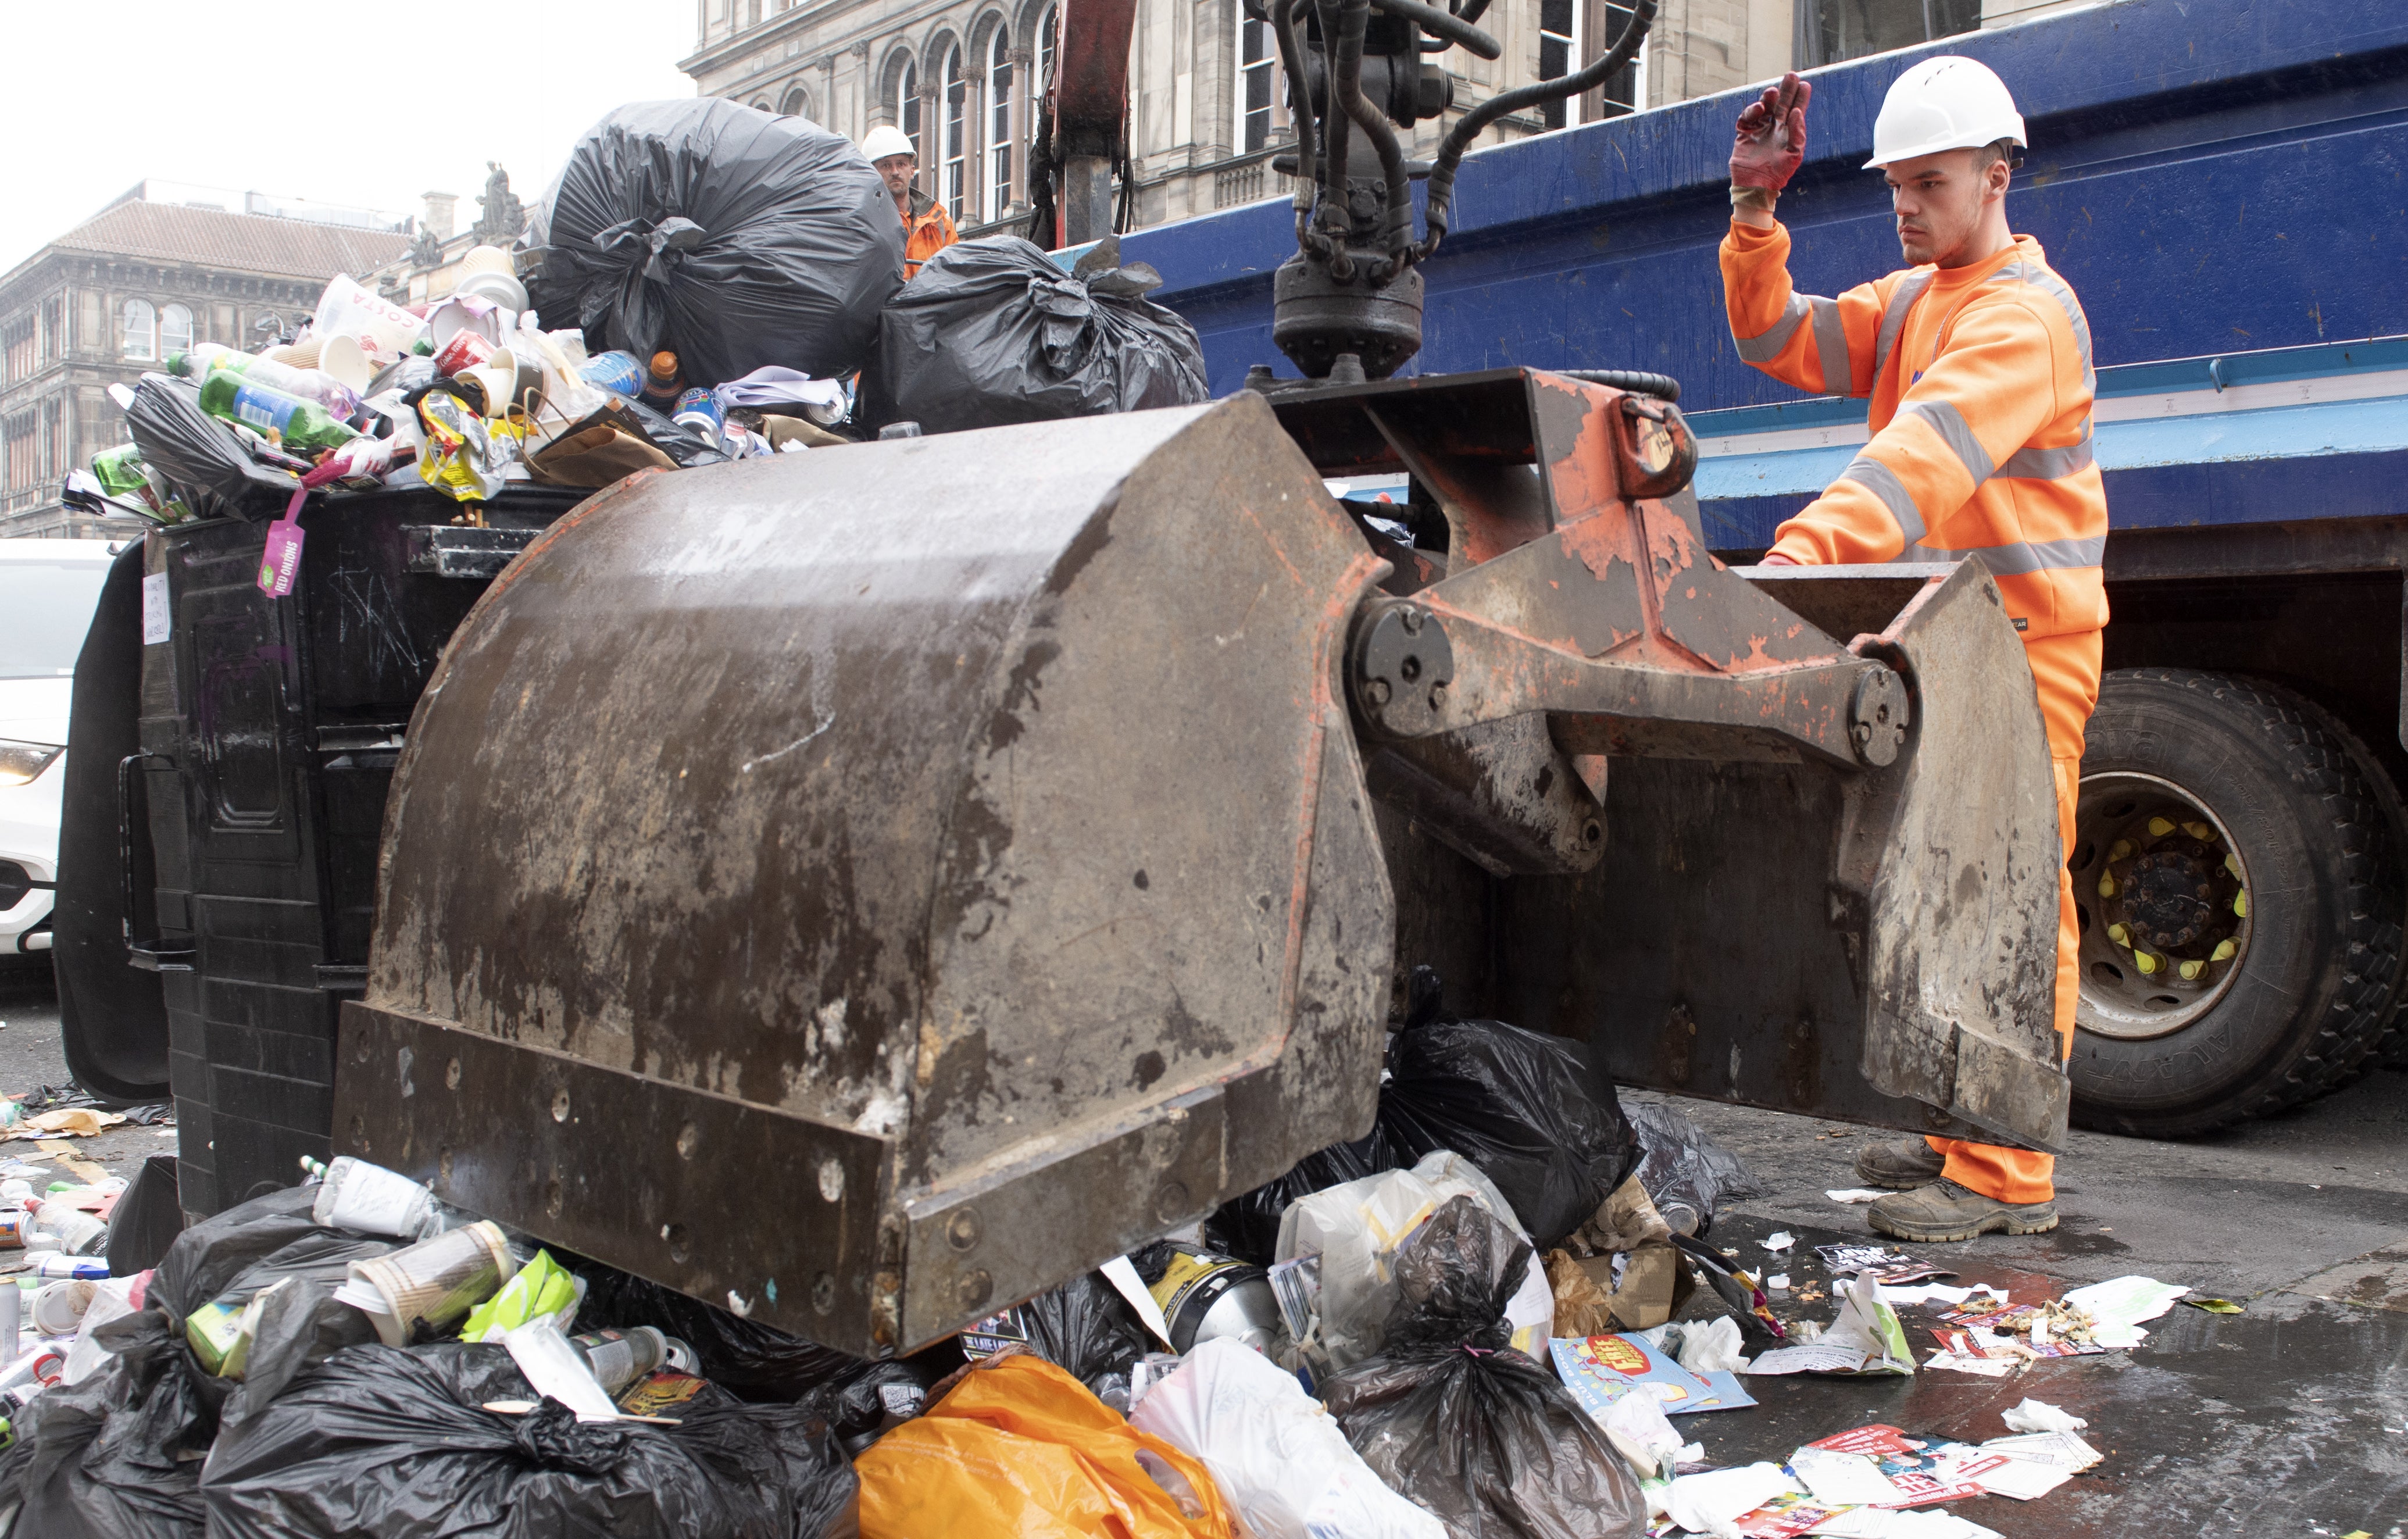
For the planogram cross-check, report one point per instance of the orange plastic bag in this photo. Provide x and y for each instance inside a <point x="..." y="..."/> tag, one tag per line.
<point x="1021" y="1448"/>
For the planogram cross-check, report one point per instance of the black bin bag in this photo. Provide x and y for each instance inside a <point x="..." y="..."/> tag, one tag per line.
<point x="202" y="457"/>
<point x="1453" y="1418"/>
<point x="992" y="333"/>
<point x="391" y="1443"/>
<point x="1513" y="1102"/>
<point x="730" y="235"/>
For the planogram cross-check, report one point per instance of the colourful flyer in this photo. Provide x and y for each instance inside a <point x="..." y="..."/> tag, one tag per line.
<point x="1601" y="1370"/>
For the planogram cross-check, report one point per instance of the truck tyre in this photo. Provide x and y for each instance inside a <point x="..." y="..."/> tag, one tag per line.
<point x="2239" y="878"/>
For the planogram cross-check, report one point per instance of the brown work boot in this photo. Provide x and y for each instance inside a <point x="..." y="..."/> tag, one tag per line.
<point x="1902" y="1166"/>
<point x="1945" y="1211"/>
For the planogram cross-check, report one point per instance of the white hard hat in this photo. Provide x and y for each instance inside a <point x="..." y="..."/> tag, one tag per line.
<point x="1948" y="103"/>
<point x="885" y="140"/>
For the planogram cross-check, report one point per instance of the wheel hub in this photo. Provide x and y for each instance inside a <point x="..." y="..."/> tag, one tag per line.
<point x="2163" y="903"/>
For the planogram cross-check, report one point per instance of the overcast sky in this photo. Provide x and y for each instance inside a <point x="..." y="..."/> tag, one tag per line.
<point x="369" y="104"/>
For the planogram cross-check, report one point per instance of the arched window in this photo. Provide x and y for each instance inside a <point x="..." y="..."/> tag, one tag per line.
<point x="174" y="331"/>
<point x="797" y="105"/>
<point x="1047" y="25"/>
<point x="998" y="123"/>
<point x="141" y="330"/>
<point x="906" y="106"/>
<point x="1258" y="59"/>
<point x="1563" y="26"/>
<point x="953" y="178"/>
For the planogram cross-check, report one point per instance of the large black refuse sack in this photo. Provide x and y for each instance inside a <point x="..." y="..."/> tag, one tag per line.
<point x="1516" y="1103"/>
<point x="735" y="238"/>
<point x="991" y="333"/>
<point x="743" y="1356"/>
<point x="116" y="1457"/>
<point x="390" y="1443"/>
<point x="202" y="457"/>
<point x="1454" y="1419"/>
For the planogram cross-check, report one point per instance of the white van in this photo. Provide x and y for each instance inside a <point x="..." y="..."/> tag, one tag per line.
<point x="47" y="589"/>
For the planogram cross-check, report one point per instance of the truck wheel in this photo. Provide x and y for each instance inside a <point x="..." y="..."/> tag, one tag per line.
<point x="2239" y="882"/>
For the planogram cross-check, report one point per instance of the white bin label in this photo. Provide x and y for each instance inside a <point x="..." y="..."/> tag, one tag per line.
<point x="155" y="610"/>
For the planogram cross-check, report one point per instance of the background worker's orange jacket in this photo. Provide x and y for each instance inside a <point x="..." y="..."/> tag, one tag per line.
<point x="1980" y="379"/>
<point x="1980" y="383"/>
<point x="927" y="231"/>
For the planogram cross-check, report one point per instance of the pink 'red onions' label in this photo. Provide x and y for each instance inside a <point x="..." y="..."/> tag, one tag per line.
<point x="280" y="564"/>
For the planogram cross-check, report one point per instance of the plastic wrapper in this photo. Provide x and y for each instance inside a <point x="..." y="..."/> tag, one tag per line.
<point x="1518" y="1104"/>
<point x="1281" y="1461"/>
<point x="115" y="1457"/>
<point x="458" y="459"/>
<point x="203" y="459"/>
<point x="391" y="1441"/>
<point x="1019" y="1446"/>
<point x="1483" y="1438"/>
<point x="1687" y="1175"/>
<point x="733" y="236"/>
<point x="1355" y="1230"/>
<point x="991" y="333"/>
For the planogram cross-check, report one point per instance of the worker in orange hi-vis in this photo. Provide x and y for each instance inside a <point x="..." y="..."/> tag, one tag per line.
<point x="1977" y="362"/>
<point x="926" y="228"/>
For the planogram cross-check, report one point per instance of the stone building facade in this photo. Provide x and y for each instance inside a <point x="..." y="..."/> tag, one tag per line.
<point x="118" y="295"/>
<point x="963" y="78"/>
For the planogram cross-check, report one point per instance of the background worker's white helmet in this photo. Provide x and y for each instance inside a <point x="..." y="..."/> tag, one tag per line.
<point x="1948" y="103"/>
<point x="885" y="140"/>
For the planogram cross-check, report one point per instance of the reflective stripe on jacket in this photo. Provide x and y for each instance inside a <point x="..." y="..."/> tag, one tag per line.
<point x="1979" y="381"/>
<point x="925" y="233"/>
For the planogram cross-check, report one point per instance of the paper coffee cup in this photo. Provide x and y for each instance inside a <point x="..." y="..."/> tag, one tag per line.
<point x="343" y="360"/>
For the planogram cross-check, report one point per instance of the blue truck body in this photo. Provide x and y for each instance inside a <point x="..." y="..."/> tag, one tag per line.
<point x="2225" y="184"/>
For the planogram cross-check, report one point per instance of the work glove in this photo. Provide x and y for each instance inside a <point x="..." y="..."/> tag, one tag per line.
<point x="1772" y="142"/>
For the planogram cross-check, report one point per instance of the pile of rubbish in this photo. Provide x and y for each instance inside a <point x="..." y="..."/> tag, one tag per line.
<point x="726" y="272"/>
<point x="1461" y="1325"/>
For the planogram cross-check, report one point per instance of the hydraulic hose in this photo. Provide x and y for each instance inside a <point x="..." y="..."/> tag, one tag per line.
<point x="1454" y="29"/>
<point x="1459" y="138"/>
<point x="1311" y="183"/>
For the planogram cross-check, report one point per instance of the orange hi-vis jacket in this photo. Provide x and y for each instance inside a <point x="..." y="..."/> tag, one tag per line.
<point x="1981" y="380"/>
<point x="926" y="232"/>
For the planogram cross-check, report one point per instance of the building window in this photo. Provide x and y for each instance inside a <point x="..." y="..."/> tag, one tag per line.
<point x="998" y="123"/>
<point x="797" y="105"/>
<point x="174" y="331"/>
<point x="953" y="177"/>
<point x="141" y="330"/>
<point x="1829" y="31"/>
<point x="1046" y="26"/>
<point x="1562" y="24"/>
<point x="1256" y="60"/>
<point x="906" y="106"/>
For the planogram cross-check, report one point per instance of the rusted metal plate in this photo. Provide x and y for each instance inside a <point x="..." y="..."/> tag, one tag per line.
<point x="1875" y="944"/>
<point x="890" y="790"/>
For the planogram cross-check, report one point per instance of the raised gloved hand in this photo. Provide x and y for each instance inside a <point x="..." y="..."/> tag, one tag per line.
<point x="1772" y="142"/>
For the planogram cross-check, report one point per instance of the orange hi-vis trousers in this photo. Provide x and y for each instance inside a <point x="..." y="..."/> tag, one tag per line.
<point x="2064" y="670"/>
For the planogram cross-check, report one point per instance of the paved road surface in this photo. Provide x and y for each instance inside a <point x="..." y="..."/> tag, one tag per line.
<point x="2291" y="1419"/>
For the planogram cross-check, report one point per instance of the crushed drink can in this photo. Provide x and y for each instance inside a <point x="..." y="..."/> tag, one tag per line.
<point x="700" y="411"/>
<point x="619" y="373"/>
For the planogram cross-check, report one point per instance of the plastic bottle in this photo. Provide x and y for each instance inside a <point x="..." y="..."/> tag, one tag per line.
<point x="664" y="382"/>
<point x="310" y="384"/>
<point x="195" y="362"/>
<point x="291" y="422"/>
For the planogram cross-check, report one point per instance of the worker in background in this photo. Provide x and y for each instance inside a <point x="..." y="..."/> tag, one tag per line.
<point x="1977" y="362"/>
<point x="926" y="230"/>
